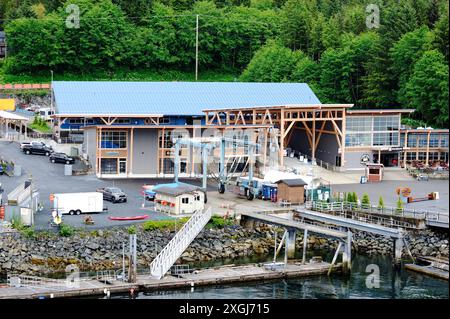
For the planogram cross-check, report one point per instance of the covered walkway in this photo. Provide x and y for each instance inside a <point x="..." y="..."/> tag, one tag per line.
<point x="9" y="122"/>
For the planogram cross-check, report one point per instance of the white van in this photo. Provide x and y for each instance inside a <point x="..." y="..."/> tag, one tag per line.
<point x="78" y="203"/>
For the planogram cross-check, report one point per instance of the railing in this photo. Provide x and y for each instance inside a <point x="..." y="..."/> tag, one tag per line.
<point x="175" y="248"/>
<point x="369" y="209"/>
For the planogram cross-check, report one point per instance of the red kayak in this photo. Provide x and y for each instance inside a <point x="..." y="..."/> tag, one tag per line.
<point x="129" y="217"/>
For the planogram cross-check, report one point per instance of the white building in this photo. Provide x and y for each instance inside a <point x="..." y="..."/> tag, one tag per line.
<point x="178" y="198"/>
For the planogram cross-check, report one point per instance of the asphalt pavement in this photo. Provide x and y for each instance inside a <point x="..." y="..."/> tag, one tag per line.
<point x="49" y="178"/>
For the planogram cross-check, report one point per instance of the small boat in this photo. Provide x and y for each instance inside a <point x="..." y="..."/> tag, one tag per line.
<point x="129" y="217"/>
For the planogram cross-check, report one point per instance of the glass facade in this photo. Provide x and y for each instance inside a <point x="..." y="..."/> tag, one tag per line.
<point x="386" y="123"/>
<point x="109" y="165"/>
<point x="113" y="139"/>
<point x="372" y="131"/>
<point x="358" y="139"/>
<point x="380" y="139"/>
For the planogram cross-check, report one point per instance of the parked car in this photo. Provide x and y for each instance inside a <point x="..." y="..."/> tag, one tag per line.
<point x="34" y="143"/>
<point x="61" y="158"/>
<point x="113" y="194"/>
<point x="37" y="148"/>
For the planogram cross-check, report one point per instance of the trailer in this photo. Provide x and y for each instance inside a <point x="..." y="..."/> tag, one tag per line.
<point x="78" y="203"/>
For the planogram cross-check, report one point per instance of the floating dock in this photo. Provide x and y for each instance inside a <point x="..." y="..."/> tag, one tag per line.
<point x="432" y="266"/>
<point x="59" y="288"/>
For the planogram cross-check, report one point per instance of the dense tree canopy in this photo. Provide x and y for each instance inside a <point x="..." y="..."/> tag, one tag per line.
<point x="402" y="62"/>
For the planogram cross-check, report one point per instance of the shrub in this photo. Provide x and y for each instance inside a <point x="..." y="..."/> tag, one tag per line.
<point x="165" y="224"/>
<point x="381" y="203"/>
<point x="399" y="205"/>
<point x="131" y="230"/>
<point x="220" y="222"/>
<point x="28" y="232"/>
<point x="365" y="200"/>
<point x="66" y="230"/>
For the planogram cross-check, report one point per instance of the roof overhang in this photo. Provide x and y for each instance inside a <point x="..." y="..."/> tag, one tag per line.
<point x="381" y="111"/>
<point x="11" y="116"/>
<point x="286" y="106"/>
<point x="110" y="115"/>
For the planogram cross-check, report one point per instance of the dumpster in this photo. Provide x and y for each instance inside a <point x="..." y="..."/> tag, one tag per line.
<point x="268" y="190"/>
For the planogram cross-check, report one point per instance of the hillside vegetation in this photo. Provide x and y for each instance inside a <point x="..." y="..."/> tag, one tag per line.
<point x="336" y="46"/>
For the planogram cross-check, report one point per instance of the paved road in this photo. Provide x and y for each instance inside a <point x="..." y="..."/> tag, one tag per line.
<point x="50" y="178"/>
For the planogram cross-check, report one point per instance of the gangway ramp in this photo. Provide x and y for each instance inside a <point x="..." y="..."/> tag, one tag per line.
<point x="288" y="223"/>
<point x="179" y="243"/>
<point x="351" y="223"/>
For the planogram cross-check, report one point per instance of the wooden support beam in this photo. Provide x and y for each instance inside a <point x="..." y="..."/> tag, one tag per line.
<point x="320" y="133"/>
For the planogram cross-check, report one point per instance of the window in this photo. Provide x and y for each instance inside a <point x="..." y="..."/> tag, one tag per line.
<point x="412" y="140"/>
<point x="434" y="140"/>
<point x="359" y="124"/>
<point x="423" y="140"/>
<point x="444" y="140"/>
<point x="109" y="165"/>
<point x="358" y="139"/>
<point x="197" y="198"/>
<point x="381" y="139"/>
<point x="122" y="121"/>
<point x="411" y="156"/>
<point x="386" y="123"/>
<point x="114" y="139"/>
<point x="185" y="200"/>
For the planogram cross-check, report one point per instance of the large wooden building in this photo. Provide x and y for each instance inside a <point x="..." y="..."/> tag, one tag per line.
<point x="128" y="128"/>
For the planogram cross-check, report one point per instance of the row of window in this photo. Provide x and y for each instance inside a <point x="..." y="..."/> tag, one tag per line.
<point x="421" y="140"/>
<point x="372" y="123"/>
<point x="422" y="156"/>
<point x="113" y="139"/>
<point x="369" y="139"/>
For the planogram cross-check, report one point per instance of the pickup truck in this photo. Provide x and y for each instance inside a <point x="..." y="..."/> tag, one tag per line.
<point x="34" y="143"/>
<point x="113" y="194"/>
<point x="36" y="148"/>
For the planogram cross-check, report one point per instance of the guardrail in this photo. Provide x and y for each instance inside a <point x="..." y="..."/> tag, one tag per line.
<point x="370" y="209"/>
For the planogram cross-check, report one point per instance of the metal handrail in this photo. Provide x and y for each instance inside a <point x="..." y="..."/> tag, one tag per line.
<point x="344" y="206"/>
<point x="178" y="244"/>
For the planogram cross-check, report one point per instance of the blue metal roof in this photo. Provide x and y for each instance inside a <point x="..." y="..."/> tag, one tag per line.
<point x="173" y="98"/>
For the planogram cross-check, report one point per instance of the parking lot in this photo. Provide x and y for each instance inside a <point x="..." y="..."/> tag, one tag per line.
<point x="49" y="179"/>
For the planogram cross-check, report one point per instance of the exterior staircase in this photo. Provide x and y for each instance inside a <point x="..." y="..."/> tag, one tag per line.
<point x="175" y="248"/>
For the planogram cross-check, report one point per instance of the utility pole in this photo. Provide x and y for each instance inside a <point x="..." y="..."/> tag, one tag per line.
<point x="196" y="49"/>
<point x="51" y="91"/>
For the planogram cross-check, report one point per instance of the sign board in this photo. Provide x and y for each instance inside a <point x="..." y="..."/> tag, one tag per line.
<point x="7" y="105"/>
<point x="365" y="159"/>
<point x="396" y="148"/>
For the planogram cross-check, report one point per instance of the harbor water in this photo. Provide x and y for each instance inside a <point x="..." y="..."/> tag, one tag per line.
<point x="372" y="277"/>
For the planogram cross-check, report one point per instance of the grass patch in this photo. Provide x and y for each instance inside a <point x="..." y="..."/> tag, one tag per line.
<point x="40" y="125"/>
<point x="122" y="75"/>
<point x="165" y="224"/>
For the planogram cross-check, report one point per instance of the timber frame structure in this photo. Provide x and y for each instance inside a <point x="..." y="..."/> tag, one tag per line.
<point x="287" y="118"/>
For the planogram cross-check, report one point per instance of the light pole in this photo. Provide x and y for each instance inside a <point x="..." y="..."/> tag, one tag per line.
<point x="196" y="48"/>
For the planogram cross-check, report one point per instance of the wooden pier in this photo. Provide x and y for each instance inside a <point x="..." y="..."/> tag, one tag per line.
<point x="209" y="276"/>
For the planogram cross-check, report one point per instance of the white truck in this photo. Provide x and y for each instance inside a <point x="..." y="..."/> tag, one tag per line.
<point x="78" y="203"/>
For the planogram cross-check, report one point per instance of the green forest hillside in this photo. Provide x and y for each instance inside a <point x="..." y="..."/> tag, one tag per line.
<point x="344" y="49"/>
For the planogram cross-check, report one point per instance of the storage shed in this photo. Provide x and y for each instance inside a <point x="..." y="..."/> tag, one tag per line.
<point x="178" y="198"/>
<point x="291" y="191"/>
